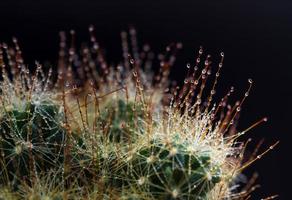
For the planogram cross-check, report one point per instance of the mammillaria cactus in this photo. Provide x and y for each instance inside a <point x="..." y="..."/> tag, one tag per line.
<point x="31" y="134"/>
<point x="170" y="171"/>
<point x="101" y="132"/>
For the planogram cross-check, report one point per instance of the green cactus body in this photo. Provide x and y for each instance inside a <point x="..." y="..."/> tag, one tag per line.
<point x="33" y="131"/>
<point x="170" y="172"/>
<point x="125" y="120"/>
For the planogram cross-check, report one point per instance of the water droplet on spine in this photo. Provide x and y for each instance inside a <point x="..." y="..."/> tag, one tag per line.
<point x="4" y="45"/>
<point x="14" y="39"/>
<point x="179" y="45"/>
<point x="201" y="50"/>
<point x="91" y="28"/>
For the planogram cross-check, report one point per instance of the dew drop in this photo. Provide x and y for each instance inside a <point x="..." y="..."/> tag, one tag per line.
<point x="14" y="39"/>
<point x="91" y="28"/>
<point x="132" y="61"/>
<point x="95" y="46"/>
<point x="72" y="32"/>
<point x="71" y="51"/>
<point x="146" y="47"/>
<point x="4" y="45"/>
<point x="179" y="45"/>
<point x="200" y="51"/>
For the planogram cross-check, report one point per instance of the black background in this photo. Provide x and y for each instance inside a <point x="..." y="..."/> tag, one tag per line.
<point x="256" y="36"/>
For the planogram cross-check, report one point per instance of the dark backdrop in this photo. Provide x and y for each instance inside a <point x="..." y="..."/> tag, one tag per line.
<point x="256" y="36"/>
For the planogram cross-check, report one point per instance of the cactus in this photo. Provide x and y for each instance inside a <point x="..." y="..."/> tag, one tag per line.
<point x="171" y="172"/>
<point x="31" y="135"/>
<point x="104" y="132"/>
